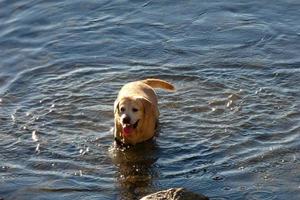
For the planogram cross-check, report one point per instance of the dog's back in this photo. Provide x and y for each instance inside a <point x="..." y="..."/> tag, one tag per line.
<point x="145" y="88"/>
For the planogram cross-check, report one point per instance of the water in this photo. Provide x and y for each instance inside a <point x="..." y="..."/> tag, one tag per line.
<point x="230" y="131"/>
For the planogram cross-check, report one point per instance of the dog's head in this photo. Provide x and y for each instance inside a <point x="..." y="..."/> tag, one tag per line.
<point x="132" y="114"/>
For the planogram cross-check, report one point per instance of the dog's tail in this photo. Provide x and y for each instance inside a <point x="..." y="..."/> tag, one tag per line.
<point x="157" y="83"/>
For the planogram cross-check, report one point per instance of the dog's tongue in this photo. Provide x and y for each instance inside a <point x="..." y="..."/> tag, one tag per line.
<point x="127" y="130"/>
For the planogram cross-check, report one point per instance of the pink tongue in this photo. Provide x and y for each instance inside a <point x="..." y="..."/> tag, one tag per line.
<point x="127" y="130"/>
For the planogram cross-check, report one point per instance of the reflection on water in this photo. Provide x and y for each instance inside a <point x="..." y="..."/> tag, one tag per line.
<point x="136" y="168"/>
<point x="230" y="131"/>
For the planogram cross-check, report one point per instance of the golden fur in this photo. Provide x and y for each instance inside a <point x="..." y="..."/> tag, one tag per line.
<point x="136" y="110"/>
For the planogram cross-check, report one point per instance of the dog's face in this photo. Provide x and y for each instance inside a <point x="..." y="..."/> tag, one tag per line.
<point x="130" y="113"/>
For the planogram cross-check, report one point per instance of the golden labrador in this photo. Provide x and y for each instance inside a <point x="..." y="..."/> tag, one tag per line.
<point x="136" y="110"/>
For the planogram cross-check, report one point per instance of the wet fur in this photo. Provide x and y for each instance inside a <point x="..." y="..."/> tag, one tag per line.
<point x="141" y="95"/>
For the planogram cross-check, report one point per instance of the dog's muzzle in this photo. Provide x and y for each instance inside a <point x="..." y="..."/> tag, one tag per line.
<point x="128" y="128"/>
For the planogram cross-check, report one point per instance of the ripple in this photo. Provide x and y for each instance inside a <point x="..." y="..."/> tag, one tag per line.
<point x="230" y="129"/>
<point x="255" y="195"/>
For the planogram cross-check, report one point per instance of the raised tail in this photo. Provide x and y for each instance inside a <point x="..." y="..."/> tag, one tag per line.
<point x="157" y="83"/>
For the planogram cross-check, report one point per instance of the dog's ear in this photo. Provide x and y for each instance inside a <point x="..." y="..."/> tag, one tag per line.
<point x="148" y="122"/>
<point x="116" y="105"/>
<point x="148" y="107"/>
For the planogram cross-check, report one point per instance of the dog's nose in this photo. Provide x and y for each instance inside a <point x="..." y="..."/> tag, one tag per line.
<point x="126" y="120"/>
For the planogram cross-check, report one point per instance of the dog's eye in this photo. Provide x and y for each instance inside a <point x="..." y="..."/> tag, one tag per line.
<point x="134" y="110"/>
<point x="122" y="109"/>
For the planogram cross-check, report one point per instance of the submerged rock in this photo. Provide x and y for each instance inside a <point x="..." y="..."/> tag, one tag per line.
<point x="175" y="194"/>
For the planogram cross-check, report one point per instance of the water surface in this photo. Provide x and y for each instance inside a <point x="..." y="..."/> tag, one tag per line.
<point x="230" y="131"/>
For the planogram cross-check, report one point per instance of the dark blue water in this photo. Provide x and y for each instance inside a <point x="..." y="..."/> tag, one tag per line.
<point x="230" y="131"/>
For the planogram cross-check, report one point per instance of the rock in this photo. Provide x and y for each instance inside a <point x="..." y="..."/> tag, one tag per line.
<point x="175" y="194"/>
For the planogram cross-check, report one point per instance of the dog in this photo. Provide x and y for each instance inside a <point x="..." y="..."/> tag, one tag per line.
<point x="136" y="111"/>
